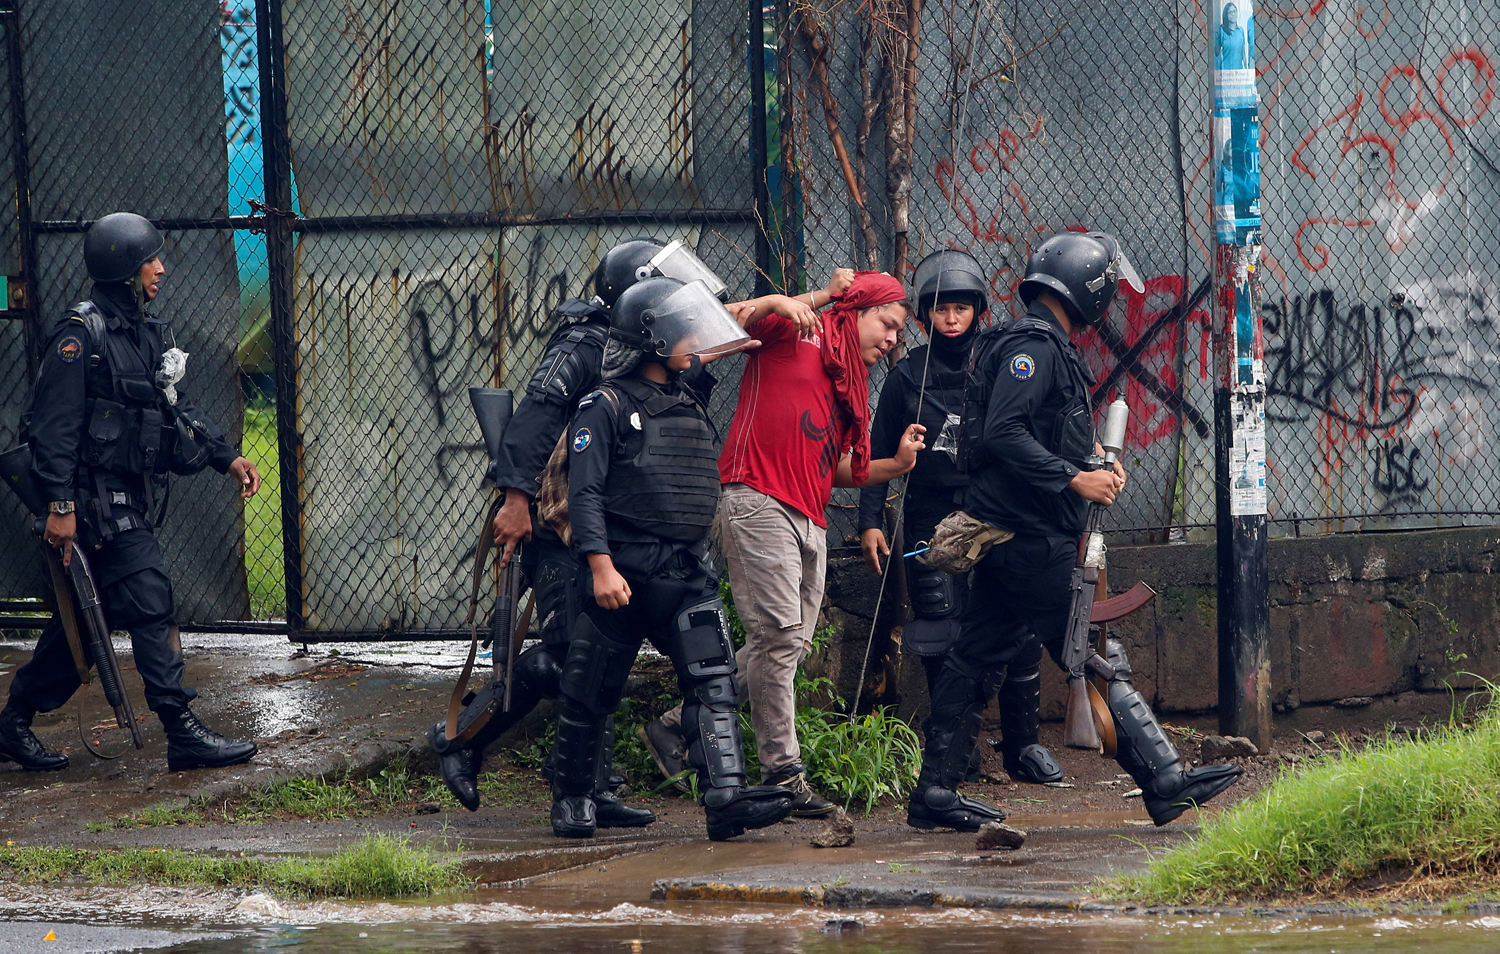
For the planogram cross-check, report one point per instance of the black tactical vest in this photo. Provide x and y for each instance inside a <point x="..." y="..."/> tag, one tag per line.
<point x="124" y="412"/>
<point x="669" y="486"/>
<point x="1073" y="430"/>
<point x="930" y="407"/>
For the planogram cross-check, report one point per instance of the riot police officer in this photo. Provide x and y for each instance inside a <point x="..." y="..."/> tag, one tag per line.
<point x="927" y="387"/>
<point x="1027" y="436"/>
<point x="573" y="364"/>
<point x="643" y="486"/>
<point x="103" y="429"/>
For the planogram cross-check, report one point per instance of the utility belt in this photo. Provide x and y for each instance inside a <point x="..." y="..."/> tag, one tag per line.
<point x="107" y="513"/>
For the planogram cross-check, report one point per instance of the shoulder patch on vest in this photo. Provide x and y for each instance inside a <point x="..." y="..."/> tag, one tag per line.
<point x="1022" y="367"/>
<point x="581" y="440"/>
<point x="69" y="349"/>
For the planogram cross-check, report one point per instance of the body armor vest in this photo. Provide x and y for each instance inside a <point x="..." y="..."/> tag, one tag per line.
<point x="1073" y="429"/>
<point x="943" y="396"/>
<point x="124" y="414"/>
<point x="670" y="485"/>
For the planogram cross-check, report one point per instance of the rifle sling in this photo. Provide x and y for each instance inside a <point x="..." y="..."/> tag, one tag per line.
<point x="460" y="688"/>
<point x="64" y="597"/>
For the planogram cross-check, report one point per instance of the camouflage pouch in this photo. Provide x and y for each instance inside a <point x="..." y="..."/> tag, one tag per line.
<point x="960" y="541"/>
<point x="552" y="495"/>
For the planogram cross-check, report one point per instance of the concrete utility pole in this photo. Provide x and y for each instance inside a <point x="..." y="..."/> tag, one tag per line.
<point x="1240" y="393"/>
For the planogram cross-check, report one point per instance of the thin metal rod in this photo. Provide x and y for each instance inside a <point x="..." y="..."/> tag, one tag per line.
<point x="760" y="153"/>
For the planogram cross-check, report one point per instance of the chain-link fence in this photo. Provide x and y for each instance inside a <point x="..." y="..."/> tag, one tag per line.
<point x="373" y="205"/>
<point x="986" y="126"/>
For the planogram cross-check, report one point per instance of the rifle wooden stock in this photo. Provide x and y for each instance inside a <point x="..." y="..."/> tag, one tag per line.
<point x="1078" y="725"/>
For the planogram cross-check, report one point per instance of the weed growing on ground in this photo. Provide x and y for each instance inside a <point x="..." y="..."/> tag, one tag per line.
<point x="315" y="799"/>
<point x="1401" y="817"/>
<point x="380" y="866"/>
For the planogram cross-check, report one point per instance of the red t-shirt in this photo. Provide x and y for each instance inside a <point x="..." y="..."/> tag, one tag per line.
<point x="786" y="439"/>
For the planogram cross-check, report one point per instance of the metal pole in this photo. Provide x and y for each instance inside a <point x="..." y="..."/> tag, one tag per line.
<point x="22" y="292"/>
<point x="1240" y="394"/>
<point x="276" y="156"/>
<point x="759" y="148"/>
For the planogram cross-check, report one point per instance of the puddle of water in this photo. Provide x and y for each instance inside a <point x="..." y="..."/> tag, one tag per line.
<point x="560" y="920"/>
<point x="744" y="930"/>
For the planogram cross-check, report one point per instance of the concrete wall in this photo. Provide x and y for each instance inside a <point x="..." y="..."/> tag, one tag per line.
<point x="1351" y="615"/>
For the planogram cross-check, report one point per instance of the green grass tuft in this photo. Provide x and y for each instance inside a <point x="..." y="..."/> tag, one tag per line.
<point x="380" y="866"/>
<point x="1397" y="816"/>
<point x="265" y="570"/>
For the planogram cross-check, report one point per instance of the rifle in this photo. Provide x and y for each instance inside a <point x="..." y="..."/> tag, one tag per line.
<point x="1087" y="723"/>
<point x="77" y="599"/>
<point x="493" y="408"/>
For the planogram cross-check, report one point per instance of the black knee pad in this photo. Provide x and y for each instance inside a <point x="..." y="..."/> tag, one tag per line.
<point x="702" y="648"/>
<point x="540" y="668"/>
<point x="594" y="675"/>
<point x="932" y="592"/>
<point x="1114" y="654"/>
<point x="930" y="637"/>
<point x="557" y="607"/>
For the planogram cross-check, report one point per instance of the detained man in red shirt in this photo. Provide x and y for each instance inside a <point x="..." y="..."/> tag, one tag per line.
<point x="801" y="427"/>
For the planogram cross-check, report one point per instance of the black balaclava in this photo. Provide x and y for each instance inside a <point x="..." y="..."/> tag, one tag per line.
<point x="119" y="298"/>
<point x="953" y="353"/>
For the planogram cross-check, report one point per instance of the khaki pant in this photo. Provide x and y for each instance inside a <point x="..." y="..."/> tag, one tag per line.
<point x="777" y="560"/>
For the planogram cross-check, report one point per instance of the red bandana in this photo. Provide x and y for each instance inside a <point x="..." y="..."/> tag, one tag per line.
<point x="842" y="360"/>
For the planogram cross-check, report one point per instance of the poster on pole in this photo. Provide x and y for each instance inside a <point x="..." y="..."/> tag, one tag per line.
<point x="1236" y="126"/>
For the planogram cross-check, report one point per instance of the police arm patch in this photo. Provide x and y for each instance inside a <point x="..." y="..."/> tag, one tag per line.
<point x="581" y="440"/>
<point x="1022" y="367"/>
<point x="69" y="349"/>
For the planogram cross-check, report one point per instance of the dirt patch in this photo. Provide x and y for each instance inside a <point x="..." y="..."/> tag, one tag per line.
<point x="323" y="672"/>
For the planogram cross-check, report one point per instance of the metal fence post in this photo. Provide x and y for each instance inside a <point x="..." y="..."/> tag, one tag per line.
<point x="1240" y="393"/>
<point x="276" y="155"/>
<point x="24" y="296"/>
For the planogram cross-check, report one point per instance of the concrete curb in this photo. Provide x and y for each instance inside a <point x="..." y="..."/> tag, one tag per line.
<point x="863" y="896"/>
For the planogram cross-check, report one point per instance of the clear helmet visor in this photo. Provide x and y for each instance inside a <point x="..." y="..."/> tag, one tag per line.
<point x="1124" y="272"/>
<point x="678" y="261"/>
<point x="692" y="320"/>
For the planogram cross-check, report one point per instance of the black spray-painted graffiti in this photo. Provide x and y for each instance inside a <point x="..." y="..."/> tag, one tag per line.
<point x="444" y="324"/>
<point x="1395" y="464"/>
<point x="1362" y="366"/>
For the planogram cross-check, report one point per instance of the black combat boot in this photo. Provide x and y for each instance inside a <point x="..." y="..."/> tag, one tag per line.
<point x="734" y="811"/>
<point x="1152" y="761"/>
<point x="958" y="700"/>
<point x="192" y="745"/>
<point x="609" y="810"/>
<point x="458" y="764"/>
<point x="20" y="745"/>
<point x="1026" y="760"/>
<point x="575" y="773"/>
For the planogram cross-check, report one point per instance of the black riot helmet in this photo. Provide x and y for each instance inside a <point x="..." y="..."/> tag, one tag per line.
<point x="116" y="246"/>
<point x="638" y="259"/>
<point x="665" y="317"/>
<point x="1083" y="271"/>
<point x="949" y="275"/>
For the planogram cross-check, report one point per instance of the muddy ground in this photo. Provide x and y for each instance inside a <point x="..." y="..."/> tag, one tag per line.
<point x="360" y="709"/>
